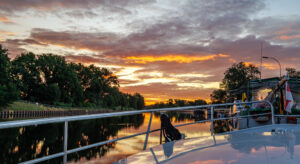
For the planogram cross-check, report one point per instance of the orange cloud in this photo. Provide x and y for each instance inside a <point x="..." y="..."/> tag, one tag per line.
<point x="270" y="66"/>
<point x="288" y="37"/>
<point x="208" y="162"/>
<point x="5" y="20"/>
<point x="247" y="64"/>
<point x="7" y="32"/>
<point x="172" y="58"/>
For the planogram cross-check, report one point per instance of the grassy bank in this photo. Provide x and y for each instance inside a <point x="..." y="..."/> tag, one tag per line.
<point x="23" y="105"/>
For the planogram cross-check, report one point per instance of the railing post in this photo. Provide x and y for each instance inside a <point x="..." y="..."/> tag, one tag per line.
<point x="161" y="131"/>
<point x="65" y="142"/>
<point x="272" y="110"/>
<point x="212" y="120"/>
<point x="147" y="135"/>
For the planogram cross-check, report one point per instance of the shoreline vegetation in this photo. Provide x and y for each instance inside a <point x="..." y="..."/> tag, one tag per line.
<point x="50" y="79"/>
<point x="21" y="105"/>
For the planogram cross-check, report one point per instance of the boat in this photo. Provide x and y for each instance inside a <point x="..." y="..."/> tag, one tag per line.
<point x="222" y="145"/>
<point x="279" y="143"/>
<point x="275" y="143"/>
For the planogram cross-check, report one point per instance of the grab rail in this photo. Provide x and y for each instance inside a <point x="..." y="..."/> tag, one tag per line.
<point x="66" y="120"/>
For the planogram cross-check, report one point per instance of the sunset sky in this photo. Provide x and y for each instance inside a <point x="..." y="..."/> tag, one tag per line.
<point x="160" y="48"/>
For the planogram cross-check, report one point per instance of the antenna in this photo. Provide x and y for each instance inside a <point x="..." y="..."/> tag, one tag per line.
<point x="261" y="47"/>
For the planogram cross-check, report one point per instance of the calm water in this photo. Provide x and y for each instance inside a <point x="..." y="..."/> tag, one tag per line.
<point x="26" y="143"/>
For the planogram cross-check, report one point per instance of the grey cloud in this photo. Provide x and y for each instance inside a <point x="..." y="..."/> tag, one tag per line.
<point x="159" y="90"/>
<point x="17" y="5"/>
<point x="81" y="14"/>
<point x="275" y="29"/>
<point x="79" y="40"/>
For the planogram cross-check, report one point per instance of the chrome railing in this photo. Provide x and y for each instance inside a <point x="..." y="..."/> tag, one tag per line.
<point x="66" y="120"/>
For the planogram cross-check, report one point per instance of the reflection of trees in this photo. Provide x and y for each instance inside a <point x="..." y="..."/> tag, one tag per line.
<point x="246" y="142"/>
<point x="245" y="148"/>
<point x="180" y="116"/>
<point x="184" y="116"/>
<point x="221" y="126"/>
<point x="26" y="143"/>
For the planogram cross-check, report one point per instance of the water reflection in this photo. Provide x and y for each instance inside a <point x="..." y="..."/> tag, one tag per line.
<point x="281" y="146"/>
<point x="26" y="143"/>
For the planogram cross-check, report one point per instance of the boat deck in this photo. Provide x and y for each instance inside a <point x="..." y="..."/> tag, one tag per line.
<point x="266" y="144"/>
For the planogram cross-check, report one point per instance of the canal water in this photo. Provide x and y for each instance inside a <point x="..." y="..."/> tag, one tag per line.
<point x="27" y="143"/>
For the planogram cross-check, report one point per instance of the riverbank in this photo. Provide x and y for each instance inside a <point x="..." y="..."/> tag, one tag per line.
<point x="23" y="109"/>
<point x="30" y="106"/>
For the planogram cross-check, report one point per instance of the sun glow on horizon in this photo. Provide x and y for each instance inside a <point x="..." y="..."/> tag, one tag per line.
<point x="172" y="58"/>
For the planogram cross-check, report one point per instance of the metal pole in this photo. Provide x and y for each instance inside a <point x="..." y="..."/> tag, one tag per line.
<point x="65" y="142"/>
<point x="214" y="140"/>
<point x="266" y="57"/>
<point x="248" y="113"/>
<point x="212" y="120"/>
<point x="160" y="136"/>
<point x="147" y="135"/>
<point x="154" y="156"/>
<point x="272" y="111"/>
<point x="278" y="64"/>
<point x="261" y="47"/>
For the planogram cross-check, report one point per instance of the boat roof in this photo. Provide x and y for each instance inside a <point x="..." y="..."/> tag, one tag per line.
<point x="265" y="144"/>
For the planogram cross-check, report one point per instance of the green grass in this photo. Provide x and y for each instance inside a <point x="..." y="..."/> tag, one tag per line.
<point x="22" y="105"/>
<point x="19" y="105"/>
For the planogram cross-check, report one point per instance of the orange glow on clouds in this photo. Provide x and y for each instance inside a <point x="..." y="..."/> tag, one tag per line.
<point x="5" y="20"/>
<point x="288" y="37"/>
<point x="7" y="32"/>
<point x="172" y="58"/>
<point x="208" y="162"/>
<point x="247" y="64"/>
<point x="270" y="66"/>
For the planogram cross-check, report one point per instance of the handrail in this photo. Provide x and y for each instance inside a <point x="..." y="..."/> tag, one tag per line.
<point x="12" y="124"/>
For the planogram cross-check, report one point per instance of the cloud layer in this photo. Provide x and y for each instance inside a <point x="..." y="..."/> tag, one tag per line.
<point x="162" y="49"/>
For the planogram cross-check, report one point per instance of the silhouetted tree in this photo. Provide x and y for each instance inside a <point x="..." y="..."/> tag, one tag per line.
<point x="50" y="79"/>
<point x="27" y="77"/>
<point x="236" y="78"/>
<point x="219" y="96"/>
<point x="55" y="70"/>
<point x="292" y="72"/>
<point x="8" y="91"/>
<point x="178" y="102"/>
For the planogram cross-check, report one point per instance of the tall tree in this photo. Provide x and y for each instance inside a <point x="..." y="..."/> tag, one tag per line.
<point x="56" y="71"/>
<point x="27" y="77"/>
<point x="293" y="73"/>
<point x="96" y="82"/>
<point x="236" y="78"/>
<point x="8" y="92"/>
<point x="140" y="101"/>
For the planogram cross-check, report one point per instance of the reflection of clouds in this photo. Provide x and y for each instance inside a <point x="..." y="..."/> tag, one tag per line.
<point x="135" y="145"/>
<point x="291" y="141"/>
<point x="263" y="146"/>
<point x="208" y="162"/>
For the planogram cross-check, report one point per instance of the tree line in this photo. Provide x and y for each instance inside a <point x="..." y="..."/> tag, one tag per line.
<point x="177" y="103"/>
<point x="49" y="79"/>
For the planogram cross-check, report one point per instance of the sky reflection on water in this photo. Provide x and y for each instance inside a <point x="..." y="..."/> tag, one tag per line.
<point x="135" y="145"/>
<point x="27" y="143"/>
